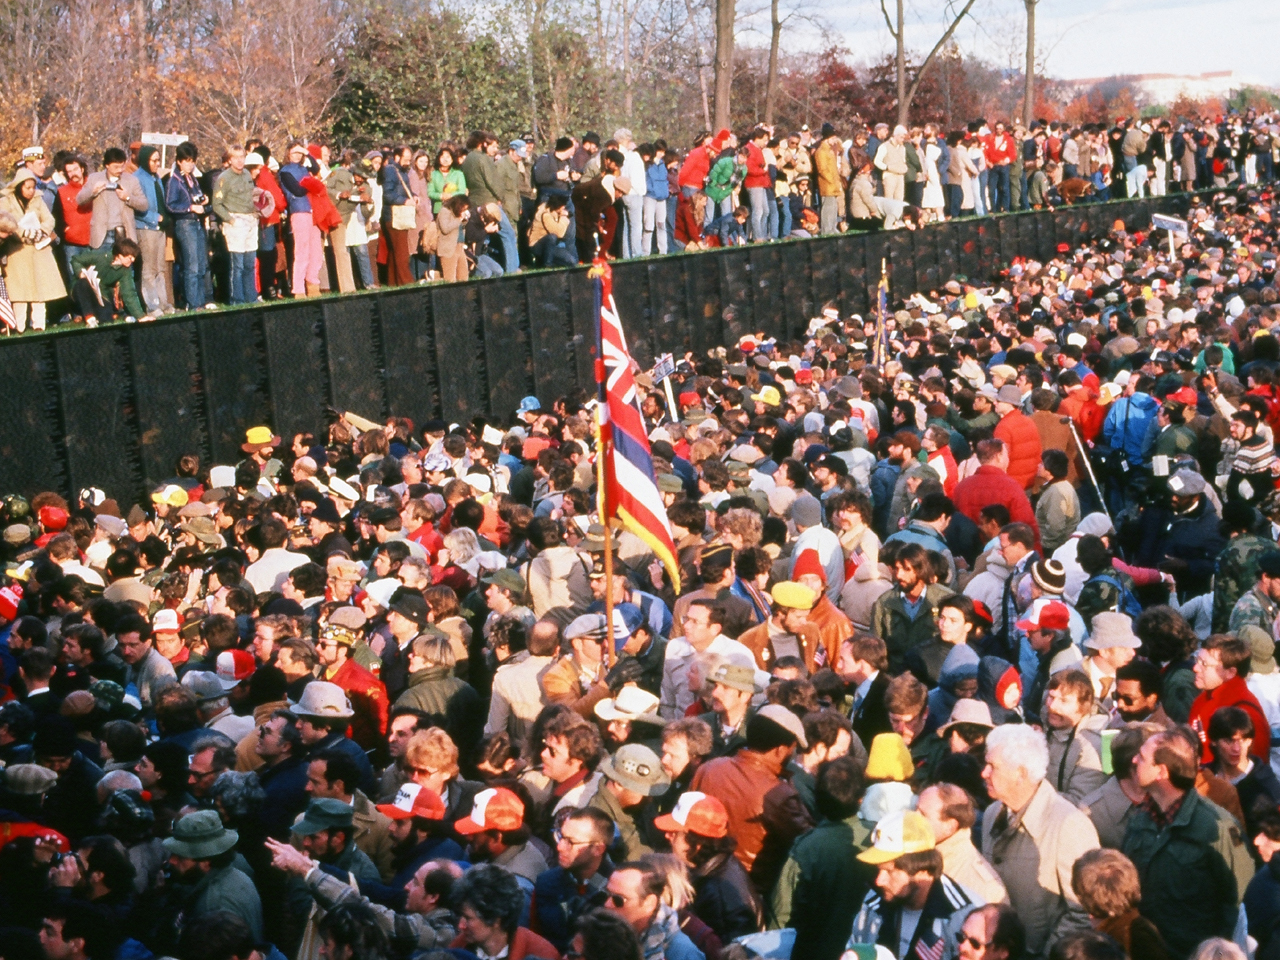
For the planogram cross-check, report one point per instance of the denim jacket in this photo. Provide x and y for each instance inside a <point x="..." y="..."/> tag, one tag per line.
<point x="181" y="194"/>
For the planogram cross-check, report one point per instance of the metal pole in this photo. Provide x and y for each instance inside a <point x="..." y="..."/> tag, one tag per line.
<point x="1088" y="465"/>
<point x="602" y="453"/>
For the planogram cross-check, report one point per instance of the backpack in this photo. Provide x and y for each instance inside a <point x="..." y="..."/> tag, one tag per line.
<point x="1127" y="603"/>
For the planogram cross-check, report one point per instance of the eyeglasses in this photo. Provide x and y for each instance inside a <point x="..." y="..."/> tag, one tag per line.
<point x="616" y="899"/>
<point x="561" y="838"/>
<point x="973" y="942"/>
<point x="423" y="771"/>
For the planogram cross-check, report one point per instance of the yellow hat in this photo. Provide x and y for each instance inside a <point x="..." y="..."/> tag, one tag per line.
<point x="890" y="759"/>
<point x="794" y="595"/>
<point x="896" y="835"/>
<point x="172" y="494"/>
<point x="769" y="396"/>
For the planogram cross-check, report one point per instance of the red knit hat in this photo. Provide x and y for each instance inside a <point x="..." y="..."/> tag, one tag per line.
<point x="314" y="150"/>
<point x="1009" y="679"/>
<point x="808" y="562"/>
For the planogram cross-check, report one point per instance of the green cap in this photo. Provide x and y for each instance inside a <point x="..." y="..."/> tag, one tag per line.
<point x="323" y="814"/>
<point x="507" y="579"/>
<point x="670" y="483"/>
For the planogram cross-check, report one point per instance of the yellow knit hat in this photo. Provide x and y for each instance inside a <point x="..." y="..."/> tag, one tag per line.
<point x="890" y="759"/>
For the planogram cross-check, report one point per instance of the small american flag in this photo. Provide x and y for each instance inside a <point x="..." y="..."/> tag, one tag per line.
<point x="931" y="951"/>
<point x="6" y="307"/>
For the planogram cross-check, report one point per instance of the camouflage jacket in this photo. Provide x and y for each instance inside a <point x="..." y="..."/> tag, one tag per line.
<point x="1256" y="610"/>
<point x="1235" y="573"/>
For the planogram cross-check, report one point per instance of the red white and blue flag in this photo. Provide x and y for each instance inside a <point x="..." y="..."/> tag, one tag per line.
<point x="630" y="489"/>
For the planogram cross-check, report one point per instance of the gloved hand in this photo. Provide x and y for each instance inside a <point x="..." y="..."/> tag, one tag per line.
<point x="626" y="670"/>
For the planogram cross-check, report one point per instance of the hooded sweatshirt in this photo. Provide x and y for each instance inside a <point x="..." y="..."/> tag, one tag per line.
<point x="961" y="664"/>
<point x="988" y="586"/>
<point x="995" y="676"/>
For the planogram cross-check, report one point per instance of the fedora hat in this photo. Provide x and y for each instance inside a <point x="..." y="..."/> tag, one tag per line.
<point x="324" y="700"/>
<point x="201" y="836"/>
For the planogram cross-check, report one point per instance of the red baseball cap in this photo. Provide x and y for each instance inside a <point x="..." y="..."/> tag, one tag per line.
<point x="1185" y="396"/>
<point x="1047" y="616"/>
<point x="234" y="666"/>
<point x="697" y="813"/>
<point x="493" y="809"/>
<point x="414" y="800"/>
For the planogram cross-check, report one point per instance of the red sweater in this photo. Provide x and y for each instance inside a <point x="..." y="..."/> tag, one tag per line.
<point x="694" y="170"/>
<point x="1022" y="440"/>
<point x="1234" y="693"/>
<point x="75" y="217"/>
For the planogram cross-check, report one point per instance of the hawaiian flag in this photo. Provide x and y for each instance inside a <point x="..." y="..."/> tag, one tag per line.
<point x="631" y="488"/>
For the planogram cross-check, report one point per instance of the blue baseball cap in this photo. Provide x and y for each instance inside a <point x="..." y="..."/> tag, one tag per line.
<point x="530" y="405"/>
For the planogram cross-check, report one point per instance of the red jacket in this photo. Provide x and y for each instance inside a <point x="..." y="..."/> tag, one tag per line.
<point x="429" y="537"/>
<point x="757" y="170"/>
<point x="947" y="467"/>
<point x="990" y="485"/>
<point x="1022" y="439"/>
<point x="1085" y="410"/>
<point x="1234" y="693"/>
<point x="369" y="700"/>
<point x="75" y="217"/>
<point x="323" y="213"/>
<point x="266" y="180"/>
<point x="999" y="149"/>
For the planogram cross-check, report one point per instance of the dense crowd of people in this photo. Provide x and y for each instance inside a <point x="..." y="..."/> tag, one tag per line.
<point x="134" y="240"/>
<point x="971" y="654"/>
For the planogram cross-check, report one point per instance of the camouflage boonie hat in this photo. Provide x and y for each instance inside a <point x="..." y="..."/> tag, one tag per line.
<point x="108" y="694"/>
<point x="126" y="816"/>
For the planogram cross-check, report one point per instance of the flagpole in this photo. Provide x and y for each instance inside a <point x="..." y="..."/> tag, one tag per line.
<point x="882" y="299"/>
<point x="602" y="458"/>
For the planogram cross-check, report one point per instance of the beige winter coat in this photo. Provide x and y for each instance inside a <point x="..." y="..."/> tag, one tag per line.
<point x="1034" y="852"/>
<point x="31" y="275"/>
<point x="558" y="584"/>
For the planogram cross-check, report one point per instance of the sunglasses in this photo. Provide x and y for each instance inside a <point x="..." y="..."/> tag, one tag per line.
<point x="975" y="943"/>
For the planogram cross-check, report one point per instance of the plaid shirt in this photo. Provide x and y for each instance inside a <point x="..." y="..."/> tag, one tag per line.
<point x="1162" y="818"/>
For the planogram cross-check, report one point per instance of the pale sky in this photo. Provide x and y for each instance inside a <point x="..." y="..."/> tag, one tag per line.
<point x="1084" y="38"/>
